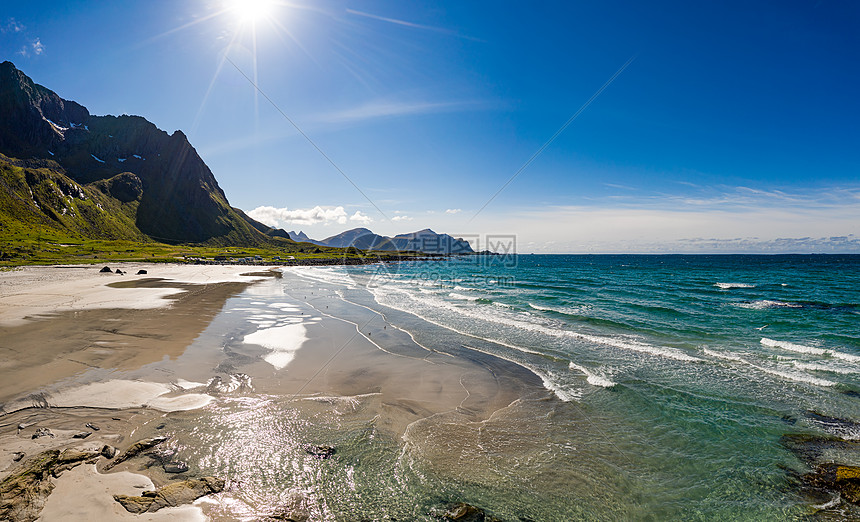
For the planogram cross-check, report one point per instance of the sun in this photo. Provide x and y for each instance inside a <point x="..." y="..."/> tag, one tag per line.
<point x="249" y="11"/>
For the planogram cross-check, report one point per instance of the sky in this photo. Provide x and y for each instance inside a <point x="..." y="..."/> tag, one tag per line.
<point x="570" y="127"/>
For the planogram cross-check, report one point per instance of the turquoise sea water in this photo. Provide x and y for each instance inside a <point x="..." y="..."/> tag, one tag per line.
<point x="662" y="389"/>
<point x="674" y="377"/>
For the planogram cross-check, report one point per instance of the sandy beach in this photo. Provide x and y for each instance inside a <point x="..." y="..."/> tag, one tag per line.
<point x="65" y="331"/>
<point x="122" y="358"/>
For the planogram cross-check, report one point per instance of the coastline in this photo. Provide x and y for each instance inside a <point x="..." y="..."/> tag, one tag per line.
<point x="134" y="356"/>
<point x="66" y="331"/>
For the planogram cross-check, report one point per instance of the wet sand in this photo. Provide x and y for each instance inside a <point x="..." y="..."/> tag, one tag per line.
<point x="69" y="362"/>
<point x="69" y="343"/>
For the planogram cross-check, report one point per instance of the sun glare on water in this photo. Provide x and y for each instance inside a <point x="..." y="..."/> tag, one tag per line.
<point x="250" y="10"/>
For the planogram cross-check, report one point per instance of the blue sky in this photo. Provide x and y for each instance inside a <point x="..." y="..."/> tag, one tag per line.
<point x="736" y="127"/>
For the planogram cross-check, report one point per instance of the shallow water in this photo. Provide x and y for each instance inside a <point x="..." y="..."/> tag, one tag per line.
<point x="536" y="387"/>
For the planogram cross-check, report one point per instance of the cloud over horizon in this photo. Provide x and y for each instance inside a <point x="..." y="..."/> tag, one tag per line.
<point x="281" y="217"/>
<point x="742" y="221"/>
<point x="358" y="217"/>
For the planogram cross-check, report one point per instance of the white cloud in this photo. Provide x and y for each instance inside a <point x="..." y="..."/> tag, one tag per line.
<point x="453" y="210"/>
<point x="361" y="218"/>
<point x="34" y="47"/>
<point x="731" y="220"/>
<point x="13" y="26"/>
<point x="280" y="217"/>
<point x="608" y="230"/>
<point x="401" y="218"/>
<point x="391" y="109"/>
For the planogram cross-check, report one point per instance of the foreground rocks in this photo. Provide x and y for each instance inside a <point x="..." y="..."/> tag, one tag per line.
<point x="171" y="495"/>
<point x="844" y="480"/>
<point x="23" y="493"/>
<point x="462" y="512"/>
<point x="321" y="452"/>
<point x="136" y="449"/>
<point x="831" y="487"/>
<point x="42" y="432"/>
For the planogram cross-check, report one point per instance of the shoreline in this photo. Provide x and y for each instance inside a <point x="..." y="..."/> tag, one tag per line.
<point x="131" y="368"/>
<point x="66" y="326"/>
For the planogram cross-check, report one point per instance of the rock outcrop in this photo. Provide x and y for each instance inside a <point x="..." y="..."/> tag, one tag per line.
<point x="135" y="449"/>
<point x="174" y="494"/>
<point x="23" y="493"/>
<point x="842" y="479"/>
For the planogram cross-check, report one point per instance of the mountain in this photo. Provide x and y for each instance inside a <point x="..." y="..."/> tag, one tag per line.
<point x="430" y="242"/>
<point x="36" y="196"/>
<point x="301" y="237"/>
<point x="425" y="241"/>
<point x="360" y="238"/>
<point x="157" y="184"/>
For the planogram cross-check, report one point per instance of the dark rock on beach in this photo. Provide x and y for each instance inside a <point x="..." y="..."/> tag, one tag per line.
<point x="106" y="270"/>
<point x="42" y="432"/>
<point x="136" y="449"/>
<point x="17" y="456"/>
<point x="141" y="272"/>
<point x="108" y="451"/>
<point x="23" y="493"/>
<point x="171" y="495"/>
<point x="82" y="435"/>
<point x="844" y="480"/>
<point x="462" y="512"/>
<point x="810" y="448"/>
<point x="175" y="467"/>
<point x="322" y="452"/>
<point x="843" y="428"/>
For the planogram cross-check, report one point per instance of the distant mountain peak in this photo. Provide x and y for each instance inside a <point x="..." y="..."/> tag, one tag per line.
<point x="425" y="241"/>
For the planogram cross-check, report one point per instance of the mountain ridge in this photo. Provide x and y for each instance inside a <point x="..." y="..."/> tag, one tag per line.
<point x="425" y="241"/>
<point x="178" y="198"/>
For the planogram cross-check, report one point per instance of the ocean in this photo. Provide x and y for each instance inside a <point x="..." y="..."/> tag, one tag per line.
<point x="655" y="387"/>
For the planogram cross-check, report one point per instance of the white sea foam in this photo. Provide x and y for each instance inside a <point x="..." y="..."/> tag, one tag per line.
<point x="462" y="297"/>
<point x="800" y="348"/>
<point x="284" y="341"/>
<point x="505" y="319"/>
<point x="795" y="376"/>
<point x="548" y="381"/>
<point x="592" y="378"/>
<point x="567" y="310"/>
<point x="728" y="286"/>
<point x="764" y="304"/>
<point x="818" y="367"/>
<point x="791" y="376"/>
<point x="723" y="355"/>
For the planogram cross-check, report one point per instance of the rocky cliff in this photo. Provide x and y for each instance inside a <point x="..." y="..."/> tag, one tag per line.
<point x="128" y="158"/>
